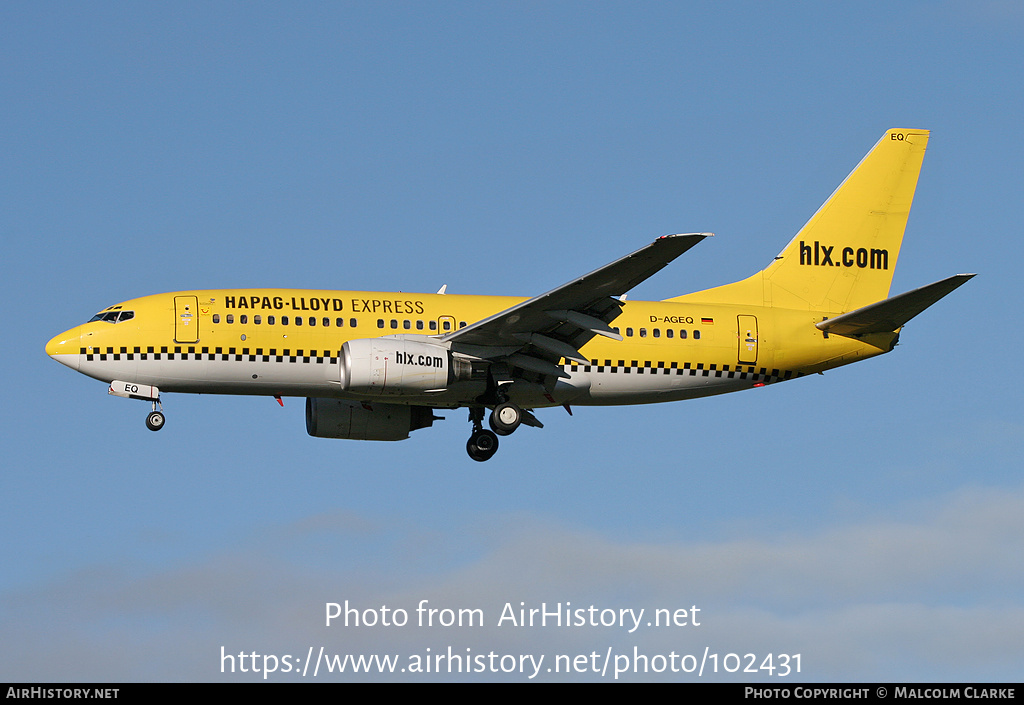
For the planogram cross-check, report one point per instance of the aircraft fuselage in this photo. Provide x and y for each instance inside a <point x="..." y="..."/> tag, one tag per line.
<point x="374" y="366"/>
<point x="281" y="342"/>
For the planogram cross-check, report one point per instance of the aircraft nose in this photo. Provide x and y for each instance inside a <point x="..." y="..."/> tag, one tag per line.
<point x="65" y="348"/>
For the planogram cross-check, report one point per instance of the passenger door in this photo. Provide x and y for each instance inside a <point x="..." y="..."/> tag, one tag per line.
<point x="186" y="319"/>
<point x="747" y="336"/>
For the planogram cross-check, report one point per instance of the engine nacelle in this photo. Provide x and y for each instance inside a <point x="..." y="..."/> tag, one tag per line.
<point x="397" y="366"/>
<point x="340" y="418"/>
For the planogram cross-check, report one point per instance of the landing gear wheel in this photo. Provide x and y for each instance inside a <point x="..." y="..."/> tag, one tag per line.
<point x="505" y="418"/>
<point x="155" y="420"/>
<point x="482" y="445"/>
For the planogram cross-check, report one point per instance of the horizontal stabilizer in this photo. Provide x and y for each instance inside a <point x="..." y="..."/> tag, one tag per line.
<point x="892" y="313"/>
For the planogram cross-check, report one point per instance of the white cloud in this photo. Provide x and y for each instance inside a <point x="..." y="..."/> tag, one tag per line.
<point x="932" y="594"/>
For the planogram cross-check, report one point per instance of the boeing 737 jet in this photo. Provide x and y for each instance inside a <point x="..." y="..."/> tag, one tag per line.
<point x="376" y="366"/>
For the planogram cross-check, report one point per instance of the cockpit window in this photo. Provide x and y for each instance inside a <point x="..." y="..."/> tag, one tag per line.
<point x="113" y="316"/>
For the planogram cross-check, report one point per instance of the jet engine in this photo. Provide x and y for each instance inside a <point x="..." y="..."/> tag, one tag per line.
<point x="340" y="418"/>
<point x="397" y="366"/>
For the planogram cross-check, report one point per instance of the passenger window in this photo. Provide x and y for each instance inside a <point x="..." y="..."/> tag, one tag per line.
<point x="462" y="324"/>
<point x="230" y="318"/>
<point x="657" y="332"/>
<point x="312" y="321"/>
<point x="696" y="335"/>
<point x="298" y="320"/>
<point x="432" y="325"/>
<point x="270" y="320"/>
<point x="284" y="320"/>
<point x="380" y="322"/>
<point x="643" y="332"/>
<point x="447" y="325"/>
<point x="243" y="319"/>
<point x="394" y="323"/>
<point x="216" y="318"/>
<point x="340" y="322"/>
<point x="629" y="332"/>
<point x="682" y="334"/>
<point x="257" y="320"/>
<point x="668" y="333"/>
<point x="419" y="325"/>
<point x="326" y="322"/>
<point x="352" y="322"/>
<point x="407" y="324"/>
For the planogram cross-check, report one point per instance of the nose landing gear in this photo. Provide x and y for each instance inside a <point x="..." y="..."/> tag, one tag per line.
<point x="130" y="390"/>
<point x="155" y="419"/>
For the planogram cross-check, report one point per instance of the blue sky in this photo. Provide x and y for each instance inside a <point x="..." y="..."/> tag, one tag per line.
<point x="870" y="519"/>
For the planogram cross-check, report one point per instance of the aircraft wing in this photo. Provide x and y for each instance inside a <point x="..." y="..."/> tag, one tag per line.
<point x="537" y="333"/>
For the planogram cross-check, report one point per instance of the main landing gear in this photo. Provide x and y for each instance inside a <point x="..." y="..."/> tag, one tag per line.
<point x="504" y="419"/>
<point x="482" y="444"/>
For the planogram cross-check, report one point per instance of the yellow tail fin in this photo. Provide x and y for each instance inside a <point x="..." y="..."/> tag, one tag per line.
<point x="844" y="257"/>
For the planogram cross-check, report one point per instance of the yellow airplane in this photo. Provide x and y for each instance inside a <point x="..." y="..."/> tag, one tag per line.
<point x="375" y="366"/>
